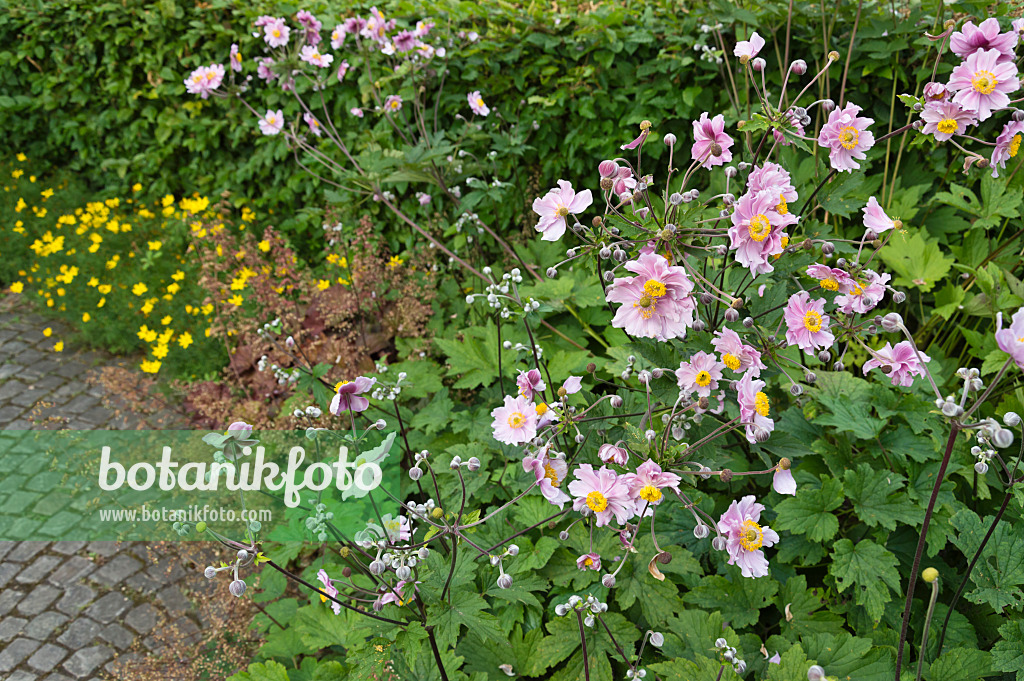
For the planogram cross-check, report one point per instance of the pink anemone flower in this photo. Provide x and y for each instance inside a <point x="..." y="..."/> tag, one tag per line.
<point x="603" y="492"/>
<point x="736" y="354"/>
<point x="701" y="374"/>
<point x="806" y="323"/>
<point x="983" y="83"/>
<point x="970" y="38"/>
<point x="1007" y="145"/>
<point x="515" y="422"/>
<point x="745" y="537"/>
<point x="900" y="362"/>
<point x="847" y="137"/>
<point x="549" y="473"/>
<point x="1011" y="339"/>
<point x="707" y="133"/>
<point x="754" y="408"/>
<point x="556" y="206"/>
<point x="328" y="589"/>
<point x="646" y="484"/>
<point x="348" y="395"/>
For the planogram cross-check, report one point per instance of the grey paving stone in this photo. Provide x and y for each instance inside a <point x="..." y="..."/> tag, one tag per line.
<point x="186" y="627"/>
<point x="12" y="483"/>
<point x="57" y="676"/>
<point x="18" y="424"/>
<point x="71" y="570"/>
<point x="7" y="572"/>
<point x="10" y="412"/>
<point x="75" y="598"/>
<point x="166" y="571"/>
<point x="8" y="599"/>
<point x="117" y="570"/>
<point x="108" y="607"/>
<point x="12" y="388"/>
<point x="85" y="661"/>
<point x="175" y="602"/>
<point x="78" y="404"/>
<point x="143" y="618"/>
<point x="11" y="627"/>
<point x="44" y="624"/>
<point x="16" y="652"/>
<point x="117" y="636"/>
<point x="26" y="551"/>
<point x="6" y="547"/>
<point x="103" y="548"/>
<point x="17" y="502"/>
<point x="22" y="675"/>
<point x="47" y="657"/>
<point x="37" y="571"/>
<point x="80" y="633"/>
<point x="144" y="584"/>
<point x="68" y="547"/>
<point x="38" y="599"/>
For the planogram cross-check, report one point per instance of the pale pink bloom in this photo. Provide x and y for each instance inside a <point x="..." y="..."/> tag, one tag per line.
<point x="356" y="111"/>
<point x="572" y="385"/>
<point x="1007" y="145"/>
<point x="312" y="26"/>
<point x="707" y="132"/>
<point x="793" y="120"/>
<point x="983" y="84"/>
<point x="773" y="176"/>
<point x="423" y="28"/>
<point x="831" y="278"/>
<point x="701" y="374"/>
<point x="735" y="354"/>
<point x="375" y="26"/>
<point x="935" y="92"/>
<point x="875" y="218"/>
<point x="866" y="294"/>
<point x="945" y="119"/>
<point x="275" y="32"/>
<point x="312" y="122"/>
<point x="754" y="407"/>
<point x="646" y="484"/>
<point x="263" y="69"/>
<point x="342" y="69"/>
<point x="624" y="182"/>
<point x="476" y="103"/>
<point x="263" y="20"/>
<point x="549" y="473"/>
<point x="338" y="37"/>
<point x="354" y="26"/>
<point x="757" y="229"/>
<point x="530" y="383"/>
<point x="398" y="596"/>
<point x="348" y="395"/>
<point x="603" y="492"/>
<point x="555" y="207"/>
<point x="405" y="41"/>
<point x="748" y="49"/>
<point x="807" y="323"/>
<point x="774" y="659"/>
<point x="847" y="137"/>
<point x="328" y="589"/>
<point x="589" y="561"/>
<point x="311" y="55"/>
<point x="970" y="38"/>
<point x="638" y="141"/>
<point x="901" y="360"/>
<point x="236" y="58"/>
<point x="424" y="199"/>
<point x="1011" y="339"/>
<point x="612" y="454"/>
<point x="204" y="80"/>
<point x="657" y="302"/>
<point x="745" y="537"/>
<point x="515" y="422"/>
<point x="393" y="103"/>
<point x="272" y="123"/>
<point x="783" y="482"/>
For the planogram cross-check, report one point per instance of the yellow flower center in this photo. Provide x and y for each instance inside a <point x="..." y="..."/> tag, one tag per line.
<point x="812" y="321"/>
<point x="323" y="599"/>
<point x="562" y="211"/>
<point x="752" y="537"/>
<point x="984" y="82"/>
<point x="654" y="288"/>
<point x="597" y="501"/>
<point x="731" y="361"/>
<point x="516" y="420"/>
<point x="703" y="379"/>
<point x="761" y="404"/>
<point x="651" y="494"/>
<point x="479" y="102"/>
<point x="647" y="306"/>
<point x="211" y="75"/>
<point x="830" y="284"/>
<point x="550" y="474"/>
<point x="1014" y="145"/>
<point x="541" y="408"/>
<point x="338" y="385"/>
<point x="849" y="136"/>
<point x="759" y="227"/>
<point x="277" y="33"/>
<point x="197" y="79"/>
<point x="946" y="126"/>
<point x="857" y="290"/>
<point x="588" y="561"/>
<point x="783" y="207"/>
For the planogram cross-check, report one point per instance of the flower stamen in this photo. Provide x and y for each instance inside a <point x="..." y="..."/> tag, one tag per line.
<point x="597" y="502"/>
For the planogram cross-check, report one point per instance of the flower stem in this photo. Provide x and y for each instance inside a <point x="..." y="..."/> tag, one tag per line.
<point x="927" y="624"/>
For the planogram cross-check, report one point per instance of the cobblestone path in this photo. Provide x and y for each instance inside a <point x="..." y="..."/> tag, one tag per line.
<point x="72" y="610"/>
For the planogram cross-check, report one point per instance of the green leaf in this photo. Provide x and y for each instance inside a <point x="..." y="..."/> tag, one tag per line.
<point x="918" y="263"/>
<point x="810" y="511"/>
<point x="436" y="415"/>
<point x="877" y="499"/>
<point x="1008" y="652"/>
<point x="697" y="631"/>
<point x="849" y="400"/>
<point x="802" y="610"/>
<point x="474" y="357"/>
<point x="701" y="669"/>
<point x="262" y="671"/>
<point x="848" y="658"/>
<point x="999" y="574"/>
<point x="961" y="664"/>
<point x="464" y="609"/>
<point x="792" y="667"/>
<point x="869" y="570"/>
<point x="739" y="599"/>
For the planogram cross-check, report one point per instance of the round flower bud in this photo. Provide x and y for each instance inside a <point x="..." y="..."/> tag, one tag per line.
<point x="758" y="64"/>
<point x="242" y="555"/>
<point x="563" y="535"/>
<point x="1002" y="438"/>
<point x="378" y="605"/>
<point x="796" y="390"/>
<point x="721" y="643"/>
<point x="675" y="199"/>
<point x="608" y="169"/>
<point x="799" y="67"/>
<point x="815" y="673"/>
<point x="237" y="588"/>
<point x="1011" y="419"/>
<point x="740" y="667"/>
<point x="838" y="366"/>
<point x="423" y="553"/>
<point x="670" y="139"/>
<point x="718" y="543"/>
<point x="377" y="567"/>
<point x="951" y="409"/>
<point x="1018" y="115"/>
<point x="504" y="581"/>
<point x="381" y="423"/>
<point x="615" y="401"/>
<point x="892" y="322"/>
<point x="731" y="315"/>
<point x="210" y="572"/>
<point x="201" y="526"/>
<point x="701" y="531"/>
<point x="608" y="581"/>
<point x="748" y="322"/>
<point x="513" y="550"/>
<point x="824" y="356"/>
<point x="981" y="468"/>
<point x="828" y="105"/>
<point x="403" y="572"/>
<point x="415" y="473"/>
<point x="561" y="609"/>
<point x="899" y="297"/>
<point x="828" y="248"/>
<point x="552" y="273"/>
<point x="929" y="574"/>
<point x="762" y="434"/>
<point x="699" y="325"/>
<point x="456" y="462"/>
<point x="657" y="639"/>
<point x="473" y="464"/>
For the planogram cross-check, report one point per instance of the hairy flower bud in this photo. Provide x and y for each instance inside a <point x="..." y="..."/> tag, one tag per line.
<point x="473" y="464"/>
<point x="616" y="401"/>
<point x="670" y="139"/>
<point x="657" y="639"/>
<point x="1002" y="438"/>
<point x="815" y="673"/>
<point x="951" y="409"/>
<point x="828" y="248"/>
<point x="377" y="567"/>
<point x="378" y="605"/>
<point x="415" y="473"/>
<point x="699" y="325"/>
<point x="827" y="105"/>
<point x="1011" y="419"/>
<point x="796" y="390"/>
<point x="824" y="356"/>
<point x="748" y="322"/>
<point x="608" y="169"/>
<point x="725" y="475"/>
<point x="758" y="64"/>
<point x="563" y="535"/>
<point x="403" y="572"/>
<point x="810" y="377"/>
<point x="210" y="572"/>
<point x="838" y="366"/>
<point x="608" y="581"/>
<point x="899" y="297"/>
<point x="552" y="273"/>
<point x="892" y="322"/>
<point x="561" y="609"/>
<point x="731" y="172"/>
<point x="761" y="434"/>
<point x="237" y="588"/>
<point x="701" y="531"/>
<point x="504" y="581"/>
<point x="718" y="543"/>
<point x="731" y="315"/>
<point x="981" y="468"/>
<point x="799" y="67"/>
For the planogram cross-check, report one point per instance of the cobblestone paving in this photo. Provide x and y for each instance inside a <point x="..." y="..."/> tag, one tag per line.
<point x="74" y="610"/>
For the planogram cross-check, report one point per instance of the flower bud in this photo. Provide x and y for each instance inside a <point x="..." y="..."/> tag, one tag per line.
<point x="1002" y="438"/>
<point x="731" y="172"/>
<point x="810" y="377"/>
<point x="981" y="468"/>
<point x="815" y="673"/>
<point x="740" y="667"/>
<point x="796" y="390"/>
<point x="1018" y="115"/>
<point x="725" y="475"/>
<point x="608" y="581"/>
<point x="670" y="139"/>
<point x="758" y="64"/>
<point x="377" y="567"/>
<point x="827" y="105"/>
<point x="838" y="366"/>
<point x="761" y="434"/>
<point x="1011" y="419"/>
<point x="899" y="297"/>
<point x="563" y="535"/>
<point x="378" y="605"/>
<point x="473" y="464"/>
<point x="237" y="588"/>
<point x="799" y="67"/>
<point x="210" y="572"/>
<point x="504" y="581"/>
<point x="748" y="322"/>
<point x="456" y="462"/>
<point x="415" y="473"/>
<point x="929" y="574"/>
<point x="403" y="572"/>
<point x="561" y="609"/>
<point x="951" y="409"/>
<point x="701" y="531"/>
<point x="828" y="248"/>
<point x="608" y="169"/>
<point x="731" y="315"/>
<point x="833" y="55"/>
<point x="699" y="325"/>
<point x="892" y="322"/>
<point x="552" y="273"/>
<point x="615" y="401"/>
<point x="824" y="356"/>
<point x="721" y="643"/>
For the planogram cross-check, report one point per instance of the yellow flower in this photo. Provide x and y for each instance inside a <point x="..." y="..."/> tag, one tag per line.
<point x="94" y="282"/>
<point x="166" y="320"/>
<point x="248" y="215"/>
<point x="104" y="288"/>
<point x="102" y="302"/>
<point x="150" y="367"/>
<point x="264" y="245"/>
<point x="160" y="351"/>
<point x="139" y="289"/>
<point x="323" y="284"/>
<point x="146" y="334"/>
<point x="178" y="276"/>
<point x="235" y="300"/>
<point x="173" y="288"/>
<point x="137" y="187"/>
<point x="21" y="157"/>
<point x="395" y="261"/>
<point x="46" y="193"/>
<point x="17" y="173"/>
<point x="17" y="287"/>
<point x="31" y="178"/>
<point x="155" y="245"/>
<point x="185" y="340"/>
<point x="58" y="346"/>
<point x="20" y="206"/>
<point x="47" y="332"/>
<point x="86" y="317"/>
